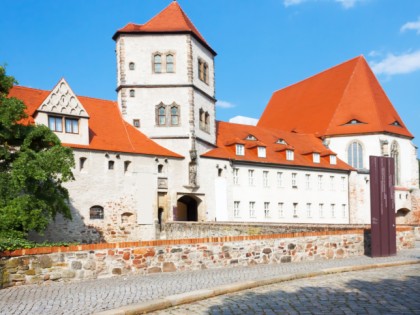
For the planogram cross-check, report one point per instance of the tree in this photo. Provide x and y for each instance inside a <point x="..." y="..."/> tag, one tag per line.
<point x="33" y="167"/>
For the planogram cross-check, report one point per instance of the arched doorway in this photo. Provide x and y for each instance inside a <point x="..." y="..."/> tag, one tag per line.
<point x="187" y="209"/>
<point x="401" y="216"/>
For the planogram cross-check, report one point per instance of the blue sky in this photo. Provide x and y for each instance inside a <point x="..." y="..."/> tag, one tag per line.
<point x="262" y="46"/>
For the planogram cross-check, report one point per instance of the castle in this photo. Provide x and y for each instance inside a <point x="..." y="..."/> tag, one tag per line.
<point x="157" y="154"/>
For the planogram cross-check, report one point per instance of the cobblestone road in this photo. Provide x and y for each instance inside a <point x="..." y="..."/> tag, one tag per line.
<point x="91" y="296"/>
<point x="394" y="290"/>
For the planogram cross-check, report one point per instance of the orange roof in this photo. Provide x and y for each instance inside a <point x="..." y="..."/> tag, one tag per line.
<point x="107" y="129"/>
<point x="172" y="19"/>
<point x="326" y="104"/>
<point x="228" y="134"/>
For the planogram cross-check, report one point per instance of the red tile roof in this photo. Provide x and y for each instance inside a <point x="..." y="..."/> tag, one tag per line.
<point x="228" y="134"/>
<point x="170" y="20"/>
<point x="107" y="129"/>
<point x="326" y="103"/>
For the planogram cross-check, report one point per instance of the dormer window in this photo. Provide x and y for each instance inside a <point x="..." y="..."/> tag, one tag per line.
<point x="262" y="152"/>
<point x="281" y="141"/>
<point x="353" y="122"/>
<point x="290" y="156"/>
<point x="396" y="123"/>
<point x="251" y="137"/>
<point x="240" y="149"/>
<point x="316" y="157"/>
<point x="55" y="123"/>
<point x="333" y="159"/>
<point x="131" y="66"/>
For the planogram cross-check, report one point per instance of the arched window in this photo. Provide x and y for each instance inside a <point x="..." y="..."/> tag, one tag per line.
<point x="160" y="168"/>
<point x="127" y="217"/>
<point x="157" y="63"/>
<point x="395" y="153"/>
<point x="132" y="93"/>
<point x="111" y="165"/>
<point x="174" y="116"/>
<point x="127" y="166"/>
<point x="161" y="116"/>
<point x="96" y="213"/>
<point x="170" y="63"/>
<point x="131" y="66"/>
<point x="355" y="155"/>
<point x="82" y="162"/>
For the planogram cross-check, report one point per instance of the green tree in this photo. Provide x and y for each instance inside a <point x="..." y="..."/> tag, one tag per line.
<point x="33" y="167"/>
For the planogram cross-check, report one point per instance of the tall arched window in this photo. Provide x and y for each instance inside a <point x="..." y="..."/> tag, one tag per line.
<point x="157" y="63"/>
<point x="170" y="63"/>
<point x="355" y="155"/>
<point x="161" y="116"/>
<point x="395" y="153"/>
<point x="174" y="115"/>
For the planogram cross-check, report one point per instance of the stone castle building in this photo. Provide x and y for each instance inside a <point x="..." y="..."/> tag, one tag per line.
<point x="157" y="154"/>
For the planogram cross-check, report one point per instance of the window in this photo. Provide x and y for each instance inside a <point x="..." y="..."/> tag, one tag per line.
<point x="240" y="149"/>
<point x="55" y="123"/>
<point x="96" y="213"/>
<point x="280" y="209"/>
<point x="251" y="177"/>
<point x="308" y="181"/>
<point x="332" y="180"/>
<point x="320" y="186"/>
<point x="316" y="158"/>
<point x="236" y="212"/>
<point x="251" y="138"/>
<point x="174" y="116"/>
<point x="136" y="123"/>
<point x="265" y="178"/>
<point x="131" y="66"/>
<point x="279" y="179"/>
<point x="219" y="172"/>
<point x="295" y="204"/>
<point x="395" y="153"/>
<point x="206" y="72"/>
<point x="161" y="116"/>
<point x="294" y="180"/>
<point x="206" y="121"/>
<point x="289" y="155"/>
<point x="266" y="210"/>
<point x="132" y="93"/>
<point x="126" y="166"/>
<point x="111" y="165"/>
<point x="281" y="141"/>
<point x="321" y="210"/>
<point x="261" y="152"/>
<point x="127" y="217"/>
<point x="169" y="63"/>
<point x="343" y="207"/>
<point x="308" y="210"/>
<point x="343" y="183"/>
<point x="203" y="71"/>
<point x="82" y="162"/>
<point x="355" y="155"/>
<point x="201" y="118"/>
<point x="252" y="209"/>
<point x="332" y="210"/>
<point x="157" y="63"/>
<point x="160" y="168"/>
<point x="236" y="176"/>
<point x="72" y="125"/>
<point x="333" y="159"/>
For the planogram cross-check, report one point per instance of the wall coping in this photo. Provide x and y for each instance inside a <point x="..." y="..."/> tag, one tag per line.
<point x="185" y="241"/>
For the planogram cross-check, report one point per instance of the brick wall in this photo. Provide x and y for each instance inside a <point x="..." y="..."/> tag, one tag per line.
<point x="91" y="261"/>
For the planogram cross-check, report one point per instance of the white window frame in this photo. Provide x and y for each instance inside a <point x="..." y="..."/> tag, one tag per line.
<point x="266" y="210"/>
<point x="320" y="182"/>
<point x="316" y="157"/>
<point x="240" y="149"/>
<point x="279" y="179"/>
<point x="308" y="210"/>
<point x="333" y="159"/>
<point x="252" y="209"/>
<point x="251" y="179"/>
<point x="236" y="176"/>
<point x="236" y="209"/>
<point x="280" y="207"/>
<point x="265" y="179"/>
<point x="294" y="180"/>
<point x="308" y="181"/>
<point x="262" y="152"/>
<point x="290" y="155"/>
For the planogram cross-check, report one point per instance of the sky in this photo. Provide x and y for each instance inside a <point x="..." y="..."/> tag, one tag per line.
<point x="262" y="46"/>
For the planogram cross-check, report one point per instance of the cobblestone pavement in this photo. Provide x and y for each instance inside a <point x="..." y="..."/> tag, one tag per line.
<point x="393" y="290"/>
<point x="90" y="296"/>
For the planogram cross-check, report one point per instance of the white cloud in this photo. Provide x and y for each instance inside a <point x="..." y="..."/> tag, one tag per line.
<point x="347" y="4"/>
<point x="374" y="53"/>
<point x="401" y="64"/>
<point x="415" y="26"/>
<point x="224" y="104"/>
<point x="244" y="120"/>
<point x="288" y="3"/>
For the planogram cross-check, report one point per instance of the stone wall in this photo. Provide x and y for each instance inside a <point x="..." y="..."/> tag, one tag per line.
<point x="91" y="261"/>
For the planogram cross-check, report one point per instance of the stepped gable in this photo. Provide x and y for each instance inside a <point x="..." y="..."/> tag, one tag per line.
<point x="346" y="99"/>
<point x="276" y="143"/>
<point x="107" y="129"/>
<point x="172" y="19"/>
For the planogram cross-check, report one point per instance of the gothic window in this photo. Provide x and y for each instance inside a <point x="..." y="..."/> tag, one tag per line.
<point x="131" y="66"/>
<point x="201" y="117"/>
<point x="55" y="123"/>
<point x="355" y="155"/>
<point x="161" y="115"/>
<point x="170" y="63"/>
<point x="157" y="63"/>
<point x="203" y="71"/>
<point x="395" y="153"/>
<point x="96" y="212"/>
<point x="132" y="93"/>
<point x="207" y="121"/>
<point x="174" y="115"/>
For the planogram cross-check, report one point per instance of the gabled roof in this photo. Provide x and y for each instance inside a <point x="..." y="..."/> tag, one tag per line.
<point x="229" y="133"/>
<point x="172" y="19"/>
<point x="326" y="104"/>
<point x="107" y="129"/>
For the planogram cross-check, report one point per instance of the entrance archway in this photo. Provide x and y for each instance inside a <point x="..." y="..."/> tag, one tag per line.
<point x="401" y="215"/>
<point x="187" y="209"/>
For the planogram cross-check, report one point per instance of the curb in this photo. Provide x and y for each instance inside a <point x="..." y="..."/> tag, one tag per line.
<point x="193" y="296"/>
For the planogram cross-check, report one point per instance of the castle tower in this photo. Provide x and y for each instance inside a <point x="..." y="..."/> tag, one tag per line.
<point x="166" y="85"/>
